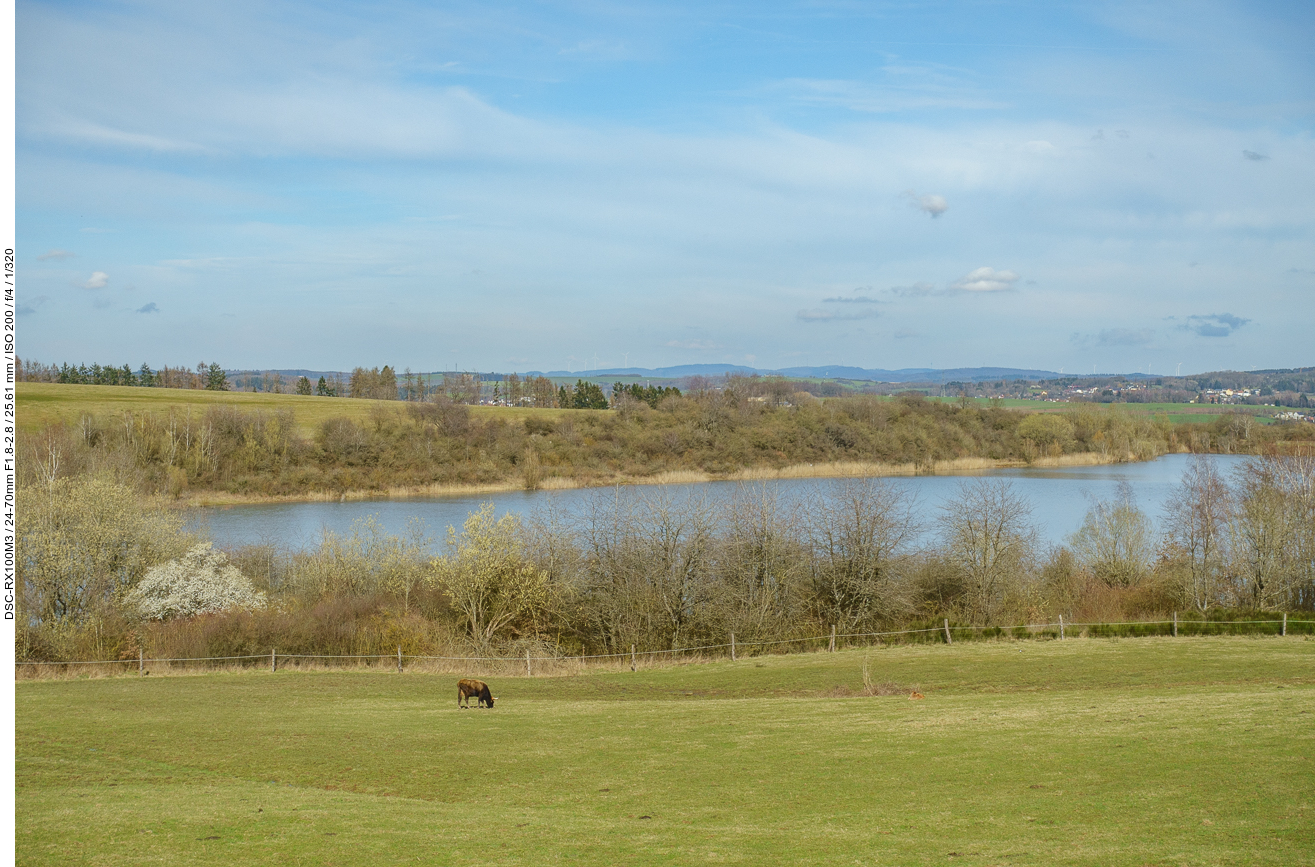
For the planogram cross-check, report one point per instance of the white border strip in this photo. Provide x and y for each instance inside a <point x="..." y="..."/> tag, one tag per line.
<point x="8" y="526"/>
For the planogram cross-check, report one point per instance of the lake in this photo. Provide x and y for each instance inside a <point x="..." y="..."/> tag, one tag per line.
<point x="1059" y="499"/>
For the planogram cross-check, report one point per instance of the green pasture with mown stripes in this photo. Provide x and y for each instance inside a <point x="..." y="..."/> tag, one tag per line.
<point x="1088" y="751"/>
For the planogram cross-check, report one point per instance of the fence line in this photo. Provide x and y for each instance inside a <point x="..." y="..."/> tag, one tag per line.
<point x="274" y="656"/>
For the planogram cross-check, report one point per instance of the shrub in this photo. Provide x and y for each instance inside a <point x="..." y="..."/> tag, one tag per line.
<point x="202" y="581"/>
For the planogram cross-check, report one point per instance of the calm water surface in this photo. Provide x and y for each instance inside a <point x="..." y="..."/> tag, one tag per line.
<point x="1059" y="499"/>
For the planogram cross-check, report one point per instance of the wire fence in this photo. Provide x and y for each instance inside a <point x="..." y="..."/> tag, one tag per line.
<point x="555" y="663"/>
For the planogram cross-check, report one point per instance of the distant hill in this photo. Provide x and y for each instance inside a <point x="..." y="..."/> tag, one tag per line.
<point x="838" y="371"/>
<point x="908" y="374"/>
<point x="676" y="372"/>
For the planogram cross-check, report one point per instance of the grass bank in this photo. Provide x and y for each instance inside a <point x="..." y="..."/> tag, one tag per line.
<point x="1082" y="752"/>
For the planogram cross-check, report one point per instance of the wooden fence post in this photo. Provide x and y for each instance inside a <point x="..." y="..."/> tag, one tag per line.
<point x="273" y="660"/>
<point x="948" y="639"/>
<point x="733" y="645"/>
<point x="1061" y="627"/>
<point x="832" y="648"/>
<point x="399" y="659"/>
<point x="1284" y="630"/>
<point x="528" y="673"/>
<point x="139" y="650"/>
<point x="1175" y="624"/>
<point x="632" y="657"/>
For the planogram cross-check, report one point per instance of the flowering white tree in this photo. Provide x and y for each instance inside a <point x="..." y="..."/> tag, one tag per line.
<point x="200" y="582"/>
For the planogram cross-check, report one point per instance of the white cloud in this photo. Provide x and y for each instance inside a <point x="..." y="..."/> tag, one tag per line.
<point x="932" y="204"/>
<point x="55" y="255"/>
<point x="99" y="280"/>
<point x="985" y="280"/>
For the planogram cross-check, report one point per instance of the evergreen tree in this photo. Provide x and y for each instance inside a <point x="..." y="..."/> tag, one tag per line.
<point x="216" y="379"/>
<point x="588" y="395"/>
<point x="303" y="385"/>
<point x="386" y="387"/>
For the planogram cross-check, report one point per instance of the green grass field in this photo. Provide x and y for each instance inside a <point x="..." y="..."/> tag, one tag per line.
<point x="1146" y="751"/>
<point x="40" y="404"/>
<point x="1178" y="413"/>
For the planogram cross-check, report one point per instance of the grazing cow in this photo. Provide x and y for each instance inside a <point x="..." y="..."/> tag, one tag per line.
<point x="477" y="688"/>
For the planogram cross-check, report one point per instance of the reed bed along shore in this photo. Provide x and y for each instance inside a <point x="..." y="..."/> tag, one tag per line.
<point x="833" y="470"/>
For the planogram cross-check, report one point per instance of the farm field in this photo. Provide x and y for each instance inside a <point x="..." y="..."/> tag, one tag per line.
<point x="1177" y="413"/>
<point x="1088" y="751"/>
<point x="40" y="404"/>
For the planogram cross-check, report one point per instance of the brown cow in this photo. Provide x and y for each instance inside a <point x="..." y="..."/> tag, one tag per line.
<point x="477" y="688"/>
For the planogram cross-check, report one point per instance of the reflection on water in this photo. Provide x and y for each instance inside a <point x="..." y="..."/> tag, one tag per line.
<point x="1059" y="499"/>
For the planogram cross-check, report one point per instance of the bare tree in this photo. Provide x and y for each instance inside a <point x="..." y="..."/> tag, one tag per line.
<point x="1272" y="528"/>
<point x="987" y="534"/>
<point x="647" y="567"/>
<point x="1116" y="542"/>
<point x="761" y="563"/>
<point x="1197" y="516"/>
<point x="860" y="535"/>
<point x="676" y="535"/>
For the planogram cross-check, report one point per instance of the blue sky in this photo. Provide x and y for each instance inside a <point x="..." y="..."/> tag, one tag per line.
<point x="514" y="186"/>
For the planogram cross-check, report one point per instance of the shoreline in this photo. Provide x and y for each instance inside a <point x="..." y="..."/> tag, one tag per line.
<point x="834" y="470"/>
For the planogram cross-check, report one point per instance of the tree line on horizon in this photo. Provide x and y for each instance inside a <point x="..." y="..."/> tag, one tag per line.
<point x="1291" y="388"/>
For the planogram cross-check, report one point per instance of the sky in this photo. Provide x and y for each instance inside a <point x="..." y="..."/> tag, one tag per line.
<point x="1077" y="187"/>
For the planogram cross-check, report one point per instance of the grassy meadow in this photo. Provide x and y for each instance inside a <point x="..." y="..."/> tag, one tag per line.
<point x="1089" y="751"/>
<point x="40" y="404"/>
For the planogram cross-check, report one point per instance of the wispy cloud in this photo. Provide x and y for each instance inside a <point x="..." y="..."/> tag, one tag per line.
<point x="1255" y="157"/>
<point x="55" y="255"/>
<point x="598" y="49"/>
<point x="700" y="345"/>
<point x="985" y="279"/>
<point x="1213" y="325"/>
<point x="917" y="290"/>
<point x="94" y="133"/>
<point x="1116" y="337"/>
<point x="898" y="94"/>
<point x="98" y="280"/>
<point x="148" y="308"/>
<point x="816" y="315"/>
<point x="30" y="308"/>
<point x="982" y="280"/>
<point x="852" y="299"/>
